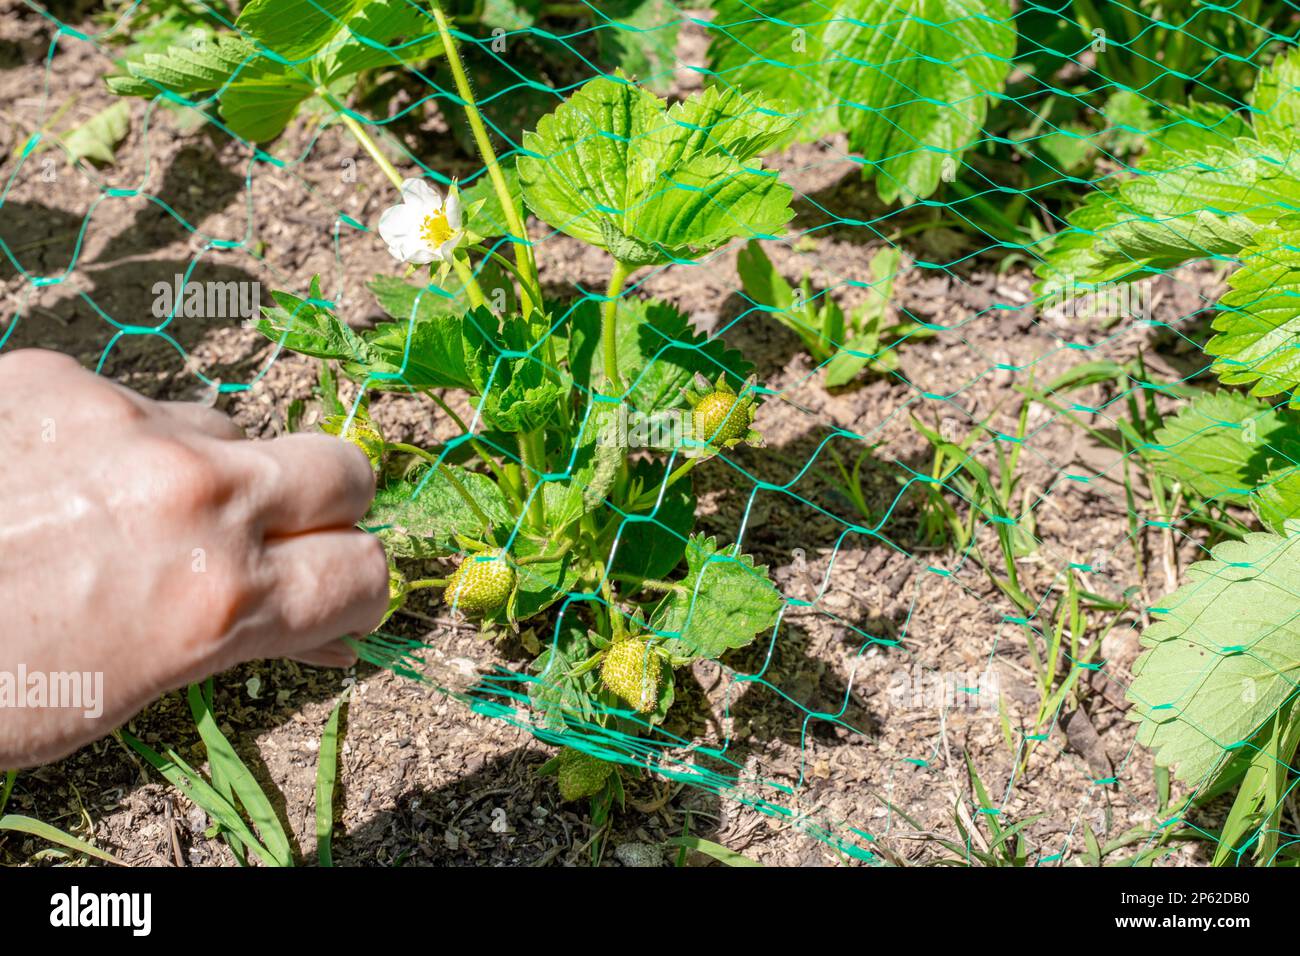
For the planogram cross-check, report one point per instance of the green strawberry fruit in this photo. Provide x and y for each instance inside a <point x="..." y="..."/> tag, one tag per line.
<point x="631" y="670"/>
<point x="362" y="432"/>
<point x="721" y="417"/>
<point x="581" y="774"/>
<point x="398" y="589"/>
<point x="481" y="585"/>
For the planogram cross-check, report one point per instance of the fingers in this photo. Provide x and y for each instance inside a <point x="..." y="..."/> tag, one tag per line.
<point x="310" y="482"/>
<point x="327" y="584"/>
<point x="333" y="654"/>
<point x="209" y="421"/>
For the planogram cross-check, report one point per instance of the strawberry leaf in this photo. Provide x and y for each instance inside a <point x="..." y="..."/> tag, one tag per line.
<point x="418" y="519"/>
<point x="1258" y="322"/>
<point x="724" y="602"/>
<point x="613" y="167"/>
<point x="1222" y="444"/>
<point x="1222" y="657"/>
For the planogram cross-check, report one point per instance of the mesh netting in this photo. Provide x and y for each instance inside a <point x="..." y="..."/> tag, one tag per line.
<point x="1007" y="290"/>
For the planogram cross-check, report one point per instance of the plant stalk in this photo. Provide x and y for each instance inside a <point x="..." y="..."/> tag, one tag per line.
<point x="523" y="250"/>
<point x="609" y="324"/>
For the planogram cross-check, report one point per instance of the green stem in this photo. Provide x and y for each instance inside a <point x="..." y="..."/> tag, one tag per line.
<point x="449" y="475"/>
<point x="502" y="478"/>
<point x="649" y="497"/>
<point x="523" y="250"/>
<point x="466" y="275"/>
<point x="533" y="465"/>
<point x="424" y="583"/>
<point x="609" y="324"/>
<point x="368" y="144"/>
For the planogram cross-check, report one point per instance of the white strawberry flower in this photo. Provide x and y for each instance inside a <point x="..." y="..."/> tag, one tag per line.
<point x="423" y="228"/>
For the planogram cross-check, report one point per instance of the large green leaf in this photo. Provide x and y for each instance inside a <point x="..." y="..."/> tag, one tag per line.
<point x="911" y="83"/>
<point x="1258" y="322"/>
<point x="613" y="167"/>
<point x="1211" y="187"/>
<point x="424" y="345"/>
<point x="776" y="48"/>
<point x="1222" y="443"/>
<point x="295" y="29"/>
<point x="1222" y="657"/>
<point x="724" y="602"/>
<point x="419" y="519"/>
<point x="652" y="541"/>
<point x="915" y="81"/>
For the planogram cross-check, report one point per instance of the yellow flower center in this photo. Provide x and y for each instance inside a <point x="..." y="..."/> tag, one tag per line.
<point x="436" y="230"/>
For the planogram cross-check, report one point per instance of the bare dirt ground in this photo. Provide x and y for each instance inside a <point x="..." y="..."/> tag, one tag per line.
<point x="424" y="779"/>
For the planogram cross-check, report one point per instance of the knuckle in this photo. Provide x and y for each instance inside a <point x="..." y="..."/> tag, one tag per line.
<point x="187" y="480"/>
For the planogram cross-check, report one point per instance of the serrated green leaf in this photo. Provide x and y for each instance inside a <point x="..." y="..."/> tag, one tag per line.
<point x="1222" y="657"/>
<point x="651" y="542"/>
<point x="424" y="347"/>
<point x="307" y="326"/>
<point x="185" y="70"/>
<point x="724" y="602"/>
<point x="517" y="393"/>
<point x="98" y="137"/>
<point x="614" y="168"/>
<point x="915" y="82"/>
<point x="1209" y="187"/>
<point x="419" y="519"/>
<point x="1258" y="322"/>
<point x="1221" y="444"/>
<point x="295" y="29"/>
<point x="383" y="33"/>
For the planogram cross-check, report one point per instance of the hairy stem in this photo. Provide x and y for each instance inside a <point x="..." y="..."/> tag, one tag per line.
<point x="609" y="324"/>
<point x="523" y="250"/>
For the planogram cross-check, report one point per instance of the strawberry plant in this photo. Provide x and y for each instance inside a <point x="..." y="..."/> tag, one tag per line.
<point x="559" y="529"/>
<point x="1215" y="689"/>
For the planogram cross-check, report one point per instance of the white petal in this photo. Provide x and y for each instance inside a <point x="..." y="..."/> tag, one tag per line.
<point x="454" y="210"/>
<point x="421" y="194"/>
<point x="399" y="222"/>
<point x="448" y="248"/>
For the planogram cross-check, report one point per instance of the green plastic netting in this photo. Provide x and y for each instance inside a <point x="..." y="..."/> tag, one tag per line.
<point x="1021" y="352"/>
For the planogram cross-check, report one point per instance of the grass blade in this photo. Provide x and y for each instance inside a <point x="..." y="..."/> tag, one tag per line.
<point x="327" y="769"/>
<point x="20" y="824"/>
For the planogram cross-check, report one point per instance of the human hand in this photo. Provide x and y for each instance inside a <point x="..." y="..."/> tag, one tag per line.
<point x="147" y="542"/>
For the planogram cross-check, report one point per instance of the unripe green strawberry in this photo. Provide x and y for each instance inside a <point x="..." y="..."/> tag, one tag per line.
<point x="581" y="774"/>
<point x="398" y="589"/>
<point x="362" y="432"/>
<point x="721" y="417"/>
<point x="481" y="585"/>
<point x="631" y="670"/>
